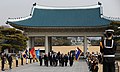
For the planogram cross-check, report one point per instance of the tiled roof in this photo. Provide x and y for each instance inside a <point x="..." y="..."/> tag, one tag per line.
<point x="62" y="17"/>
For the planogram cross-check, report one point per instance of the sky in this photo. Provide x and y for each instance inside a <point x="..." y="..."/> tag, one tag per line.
<point x="21" y="8"/>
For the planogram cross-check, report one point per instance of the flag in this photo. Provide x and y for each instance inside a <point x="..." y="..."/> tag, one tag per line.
<point x="77" y="53"/>
<point x="25" y="53"/>
<point x="32" y="52"/>
<point x="37" y="53"/>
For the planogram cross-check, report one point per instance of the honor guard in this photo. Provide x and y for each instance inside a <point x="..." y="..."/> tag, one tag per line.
<point x="108" y="48"/>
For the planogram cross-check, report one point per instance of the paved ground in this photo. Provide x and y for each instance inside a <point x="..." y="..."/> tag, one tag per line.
<point x="80" y="66"/>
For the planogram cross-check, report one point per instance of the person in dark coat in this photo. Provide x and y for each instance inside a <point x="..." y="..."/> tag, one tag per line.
<point x="71" y="59"/>
<point x="2" y="62"/>
<point x="62" y="60"/>
<point x="46" y="59"/>
<point x="10" y="61"/>
<point x="59" y="56"/>
<point x="40" y="59"/>
<point x="66" y="59"/>
<point x="55" y="59"/>
<point x="51" y="58"/>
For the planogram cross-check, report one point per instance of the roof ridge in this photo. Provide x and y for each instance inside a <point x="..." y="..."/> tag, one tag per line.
<point x="66" y="7"/>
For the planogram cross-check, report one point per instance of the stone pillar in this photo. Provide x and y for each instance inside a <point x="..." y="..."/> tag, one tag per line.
<point x="85" y="46"/>
<point x="49" y="44"/>
<point x="28" y="43"/>
<point x="46" y="44"/>
<point x="32" y="42"/>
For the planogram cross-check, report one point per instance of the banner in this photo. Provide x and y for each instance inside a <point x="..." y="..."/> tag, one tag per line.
<point x="37" y="53"/>
<point x="32" y="52"/>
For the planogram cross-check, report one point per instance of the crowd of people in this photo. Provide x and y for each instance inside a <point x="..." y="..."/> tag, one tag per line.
<point x="56" y="59"/>
<point x="93" y="60"/>
<point x="50" y="59"/>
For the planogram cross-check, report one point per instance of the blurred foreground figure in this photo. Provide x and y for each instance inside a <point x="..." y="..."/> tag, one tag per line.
<point x="108" y="48"/>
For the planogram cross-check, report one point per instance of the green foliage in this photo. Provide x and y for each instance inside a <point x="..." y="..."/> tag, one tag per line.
<point x="13" y="39"/>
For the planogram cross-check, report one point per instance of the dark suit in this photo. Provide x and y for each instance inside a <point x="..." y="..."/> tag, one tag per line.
<point x="71" y="58"/>
<point x="40" y="59"/>
<point x="66" y="59"/>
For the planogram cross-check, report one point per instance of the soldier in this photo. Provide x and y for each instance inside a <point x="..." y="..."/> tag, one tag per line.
<point x="3" y="61"/>
<point x="71" y="58"/>
<point x="108" y="48"/>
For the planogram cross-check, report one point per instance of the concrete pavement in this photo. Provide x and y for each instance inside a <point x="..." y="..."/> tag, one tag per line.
<point x="80" y="66"/>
